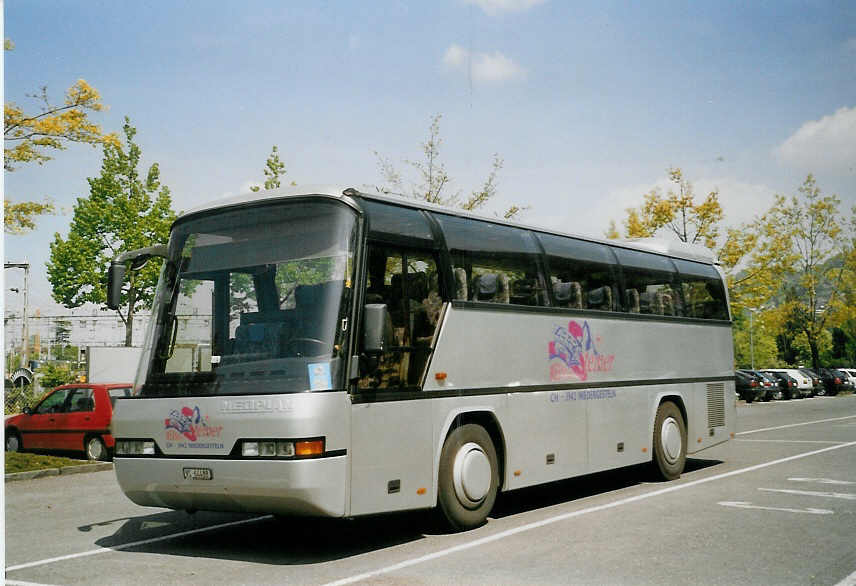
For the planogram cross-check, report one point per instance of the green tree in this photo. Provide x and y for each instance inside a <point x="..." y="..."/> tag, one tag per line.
<point x="54" y="375"/>
<point x="274" y="169"/>
<point x="804" y="246"/>
<point x="433" y="181"/>
<point x="124" y="211"/>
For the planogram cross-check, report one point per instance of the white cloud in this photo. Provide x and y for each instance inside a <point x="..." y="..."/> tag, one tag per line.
<point x="828" y="144"/>
<point x="487" y="67"/>
<point x="496" y="7"/>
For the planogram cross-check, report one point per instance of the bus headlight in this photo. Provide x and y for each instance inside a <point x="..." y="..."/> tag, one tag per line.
<point x="134" y="448"/>
<point x="282" y="448"/>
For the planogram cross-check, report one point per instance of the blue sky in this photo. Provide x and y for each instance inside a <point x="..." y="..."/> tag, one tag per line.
<point x="587" y="103"/>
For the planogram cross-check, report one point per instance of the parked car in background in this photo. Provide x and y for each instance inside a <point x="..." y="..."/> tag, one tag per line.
<point x="850" y="373"/>
<point x="833" y="381"/>
<point x="748" y="385"/>
<point x="73" y="418"/>
<point x="769" y="384"/>
<point x="816" y="381"/>
<point x="805" y="387"/>
<point x="787" y="385"/>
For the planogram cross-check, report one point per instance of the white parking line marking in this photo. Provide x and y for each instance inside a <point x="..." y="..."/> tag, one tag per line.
<point x="133" y="544"/>
<point x="849" y="496"/>
<point x="20" y="583"/>
<point x="744" y="505"/>
<point x="821" y="480"/>
<point x="549" y="521"/>
<point x="795" y="425"/>
<point x="789" y="441"/>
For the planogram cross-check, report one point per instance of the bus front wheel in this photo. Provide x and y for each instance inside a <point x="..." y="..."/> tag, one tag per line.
<point x="468" y="477"/>
<point x="670" y="441"/>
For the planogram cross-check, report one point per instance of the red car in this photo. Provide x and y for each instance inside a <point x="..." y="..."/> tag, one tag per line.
<point x="69" y="418"/>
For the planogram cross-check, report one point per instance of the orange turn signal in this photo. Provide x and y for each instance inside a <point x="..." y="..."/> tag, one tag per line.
<point x="440" y="376"/>
<point x="420" y="491"/>
<point x="309" y="448"/>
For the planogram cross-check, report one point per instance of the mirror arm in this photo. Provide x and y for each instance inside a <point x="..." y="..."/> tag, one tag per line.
<point x="116" y="272"/>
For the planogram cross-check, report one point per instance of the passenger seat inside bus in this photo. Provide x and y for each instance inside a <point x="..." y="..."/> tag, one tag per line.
<point x="633" y="304"/>
<point x="600" y="298"/>
<point x="568" y="294"/>
<point x="491" y="287"/>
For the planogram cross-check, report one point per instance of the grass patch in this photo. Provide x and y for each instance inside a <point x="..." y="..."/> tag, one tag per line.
<point x="20" y="462"/>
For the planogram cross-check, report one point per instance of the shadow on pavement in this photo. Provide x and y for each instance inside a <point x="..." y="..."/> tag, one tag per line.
<point x="294" y="540"/>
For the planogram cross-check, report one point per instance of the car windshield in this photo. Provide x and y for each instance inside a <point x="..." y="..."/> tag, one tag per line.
<point x="250" y="299"/>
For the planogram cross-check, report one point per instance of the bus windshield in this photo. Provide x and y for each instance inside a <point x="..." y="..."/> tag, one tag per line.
<point x="253" y="300"/>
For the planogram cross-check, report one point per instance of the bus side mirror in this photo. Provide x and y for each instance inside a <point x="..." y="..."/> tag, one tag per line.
<point x="115" y="278"/>
<point x="377" y="329"/>
<point x="116" y="272"/>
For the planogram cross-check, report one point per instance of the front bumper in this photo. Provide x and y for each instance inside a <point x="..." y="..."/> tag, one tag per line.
<point x="315" y="487"/>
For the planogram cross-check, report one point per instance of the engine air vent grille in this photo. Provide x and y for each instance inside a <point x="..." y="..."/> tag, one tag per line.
<point x="716" y="405"/>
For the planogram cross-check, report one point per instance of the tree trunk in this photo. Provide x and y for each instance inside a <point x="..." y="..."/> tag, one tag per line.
<point x="129" y="322"/>
<point x="815" y="355"/>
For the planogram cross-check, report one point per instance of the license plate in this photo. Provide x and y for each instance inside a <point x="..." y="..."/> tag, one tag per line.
<point x="197" y="474"/>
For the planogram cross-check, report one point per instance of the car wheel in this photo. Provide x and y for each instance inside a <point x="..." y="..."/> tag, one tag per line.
<point x="468" y="477"/>
<point x="13" y="441"/>
<point x="670" y="441"/>
<point x="95" y="449"/>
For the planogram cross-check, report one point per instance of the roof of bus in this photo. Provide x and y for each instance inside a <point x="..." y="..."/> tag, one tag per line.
<point x="665" y="247"/>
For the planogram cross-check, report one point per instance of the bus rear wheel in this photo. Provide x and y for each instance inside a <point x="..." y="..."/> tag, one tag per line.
<point x="468" y="477"/>
<point x="670" y="441"/>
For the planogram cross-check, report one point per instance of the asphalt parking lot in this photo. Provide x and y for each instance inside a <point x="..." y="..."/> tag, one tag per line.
<point x="775" y="506"/>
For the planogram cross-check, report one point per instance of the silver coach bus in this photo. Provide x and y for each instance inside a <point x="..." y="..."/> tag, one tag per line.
<point x="335" y="353"/>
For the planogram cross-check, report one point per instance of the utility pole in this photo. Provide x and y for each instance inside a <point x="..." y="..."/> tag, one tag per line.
<point x="26" y="267"/>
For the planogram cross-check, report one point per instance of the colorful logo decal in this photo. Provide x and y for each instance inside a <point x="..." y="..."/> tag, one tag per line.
<point x="573" y="354"/>
<point x="190" y="423"/>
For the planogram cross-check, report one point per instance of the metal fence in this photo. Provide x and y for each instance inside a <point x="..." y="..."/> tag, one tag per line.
<point x="18" y="397"/>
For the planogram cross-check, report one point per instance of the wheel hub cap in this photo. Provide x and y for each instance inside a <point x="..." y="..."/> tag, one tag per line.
<point x="471" y="474"/>
<point x="670" y="439"/>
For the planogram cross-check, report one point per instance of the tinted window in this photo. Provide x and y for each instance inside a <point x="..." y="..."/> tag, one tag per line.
<point x="581" y="273"/>
<point x="650" y="283"/>
<point x="396" y="221"/>
<point x="406" y="281"/>
<point x="81" y="400"/>
<point x="493" y="263"/>
<point x="53" y="403"/>
<point x="703" y="292"/>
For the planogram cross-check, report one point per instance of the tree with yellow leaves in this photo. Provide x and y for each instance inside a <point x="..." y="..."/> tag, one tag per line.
<point x="807" y="254"/>
<point x="675" y="212"/>
<point x="30" y="136"/>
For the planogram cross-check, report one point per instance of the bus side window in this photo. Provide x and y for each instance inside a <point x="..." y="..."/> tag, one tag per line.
<point x="650" y="283"/>
<point x="581" y="273"/>
<point x="702" y="290"/>
<point x="407" y="282"/>
<point x="492" y="263"/>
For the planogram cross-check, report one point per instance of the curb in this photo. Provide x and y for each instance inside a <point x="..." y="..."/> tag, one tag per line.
<point x="82" y="469"/>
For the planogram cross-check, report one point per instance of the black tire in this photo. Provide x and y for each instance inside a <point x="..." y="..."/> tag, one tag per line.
<point x="468" y="478"/>
<point x="95" y="448"/>
<point x="12" y="441"/>
<point x="670" y="441"/>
